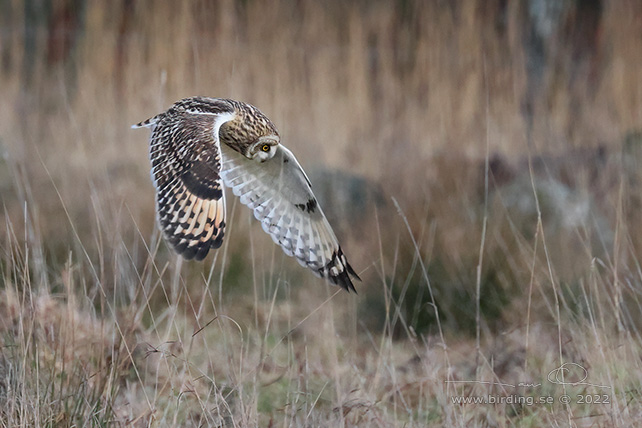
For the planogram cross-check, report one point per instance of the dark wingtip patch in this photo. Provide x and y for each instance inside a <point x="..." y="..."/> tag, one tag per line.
<point x="218" y="241"/>
<point x="352" y="272"/>
<point x="348" y="285"/>
<point x="180" y="248"/>
<point x="189" y="253"/>
<point x="201" y="253"/>
<point x="199" y="250"/>
<point x="342" y="278"/>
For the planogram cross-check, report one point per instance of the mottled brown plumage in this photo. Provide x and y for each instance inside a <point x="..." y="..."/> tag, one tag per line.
<point x="200" y="143"/>
<point x="249" y="124"/>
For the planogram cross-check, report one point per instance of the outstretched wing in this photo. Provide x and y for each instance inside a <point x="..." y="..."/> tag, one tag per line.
<point x="186" y="164"/>
<point x="280" y="194"/>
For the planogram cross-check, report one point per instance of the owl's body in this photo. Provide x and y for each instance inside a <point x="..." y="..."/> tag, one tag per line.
<point x="201" y="143"/>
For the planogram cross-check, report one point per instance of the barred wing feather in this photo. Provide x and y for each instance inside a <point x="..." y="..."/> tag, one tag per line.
<point x="185" y="156"/>
<point x="280" y="195"/>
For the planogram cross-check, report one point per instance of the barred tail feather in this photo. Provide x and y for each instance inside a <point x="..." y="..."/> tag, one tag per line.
<point x="146" y="123"/>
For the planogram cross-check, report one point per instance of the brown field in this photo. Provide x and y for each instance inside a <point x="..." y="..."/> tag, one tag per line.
<point x="480" y="162"/>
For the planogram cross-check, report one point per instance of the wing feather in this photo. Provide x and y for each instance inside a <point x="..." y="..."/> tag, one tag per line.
<point x="280" y="195"/>
<point x="186" y="163"/>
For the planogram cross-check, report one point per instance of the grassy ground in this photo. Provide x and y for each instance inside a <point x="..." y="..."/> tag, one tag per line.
<point x="480" y="162"/>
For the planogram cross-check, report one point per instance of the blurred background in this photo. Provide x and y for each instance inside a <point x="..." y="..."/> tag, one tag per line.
<point x="379" y="100"/>
<point x="480" y="160"/>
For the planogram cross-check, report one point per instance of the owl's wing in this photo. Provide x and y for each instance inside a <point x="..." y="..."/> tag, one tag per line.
<point x="280" y="194"/>
<point x="186" y="164"/>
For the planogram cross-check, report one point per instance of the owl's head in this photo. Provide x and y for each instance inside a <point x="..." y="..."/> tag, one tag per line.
<point x="250" y="133"/>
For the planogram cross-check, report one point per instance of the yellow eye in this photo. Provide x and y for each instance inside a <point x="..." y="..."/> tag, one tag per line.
<point x="265" y="147"/>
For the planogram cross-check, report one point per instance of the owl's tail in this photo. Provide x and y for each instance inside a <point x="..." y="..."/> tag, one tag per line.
<point x="146" y="123"/>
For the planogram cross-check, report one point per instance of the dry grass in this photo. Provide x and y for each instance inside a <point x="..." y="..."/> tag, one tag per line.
<point x="495" y="221"/>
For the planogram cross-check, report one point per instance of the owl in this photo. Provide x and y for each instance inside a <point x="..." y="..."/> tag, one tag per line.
<point x="202" y="144"/>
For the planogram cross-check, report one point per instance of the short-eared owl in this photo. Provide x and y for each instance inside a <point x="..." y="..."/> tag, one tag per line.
<point x="200" y="143"/>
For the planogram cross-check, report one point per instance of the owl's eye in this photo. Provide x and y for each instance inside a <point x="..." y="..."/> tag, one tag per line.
<point x="265" y="147"/>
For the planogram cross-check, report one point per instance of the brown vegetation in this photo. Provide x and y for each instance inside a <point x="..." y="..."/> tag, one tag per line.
<point x="481" y="163"/>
